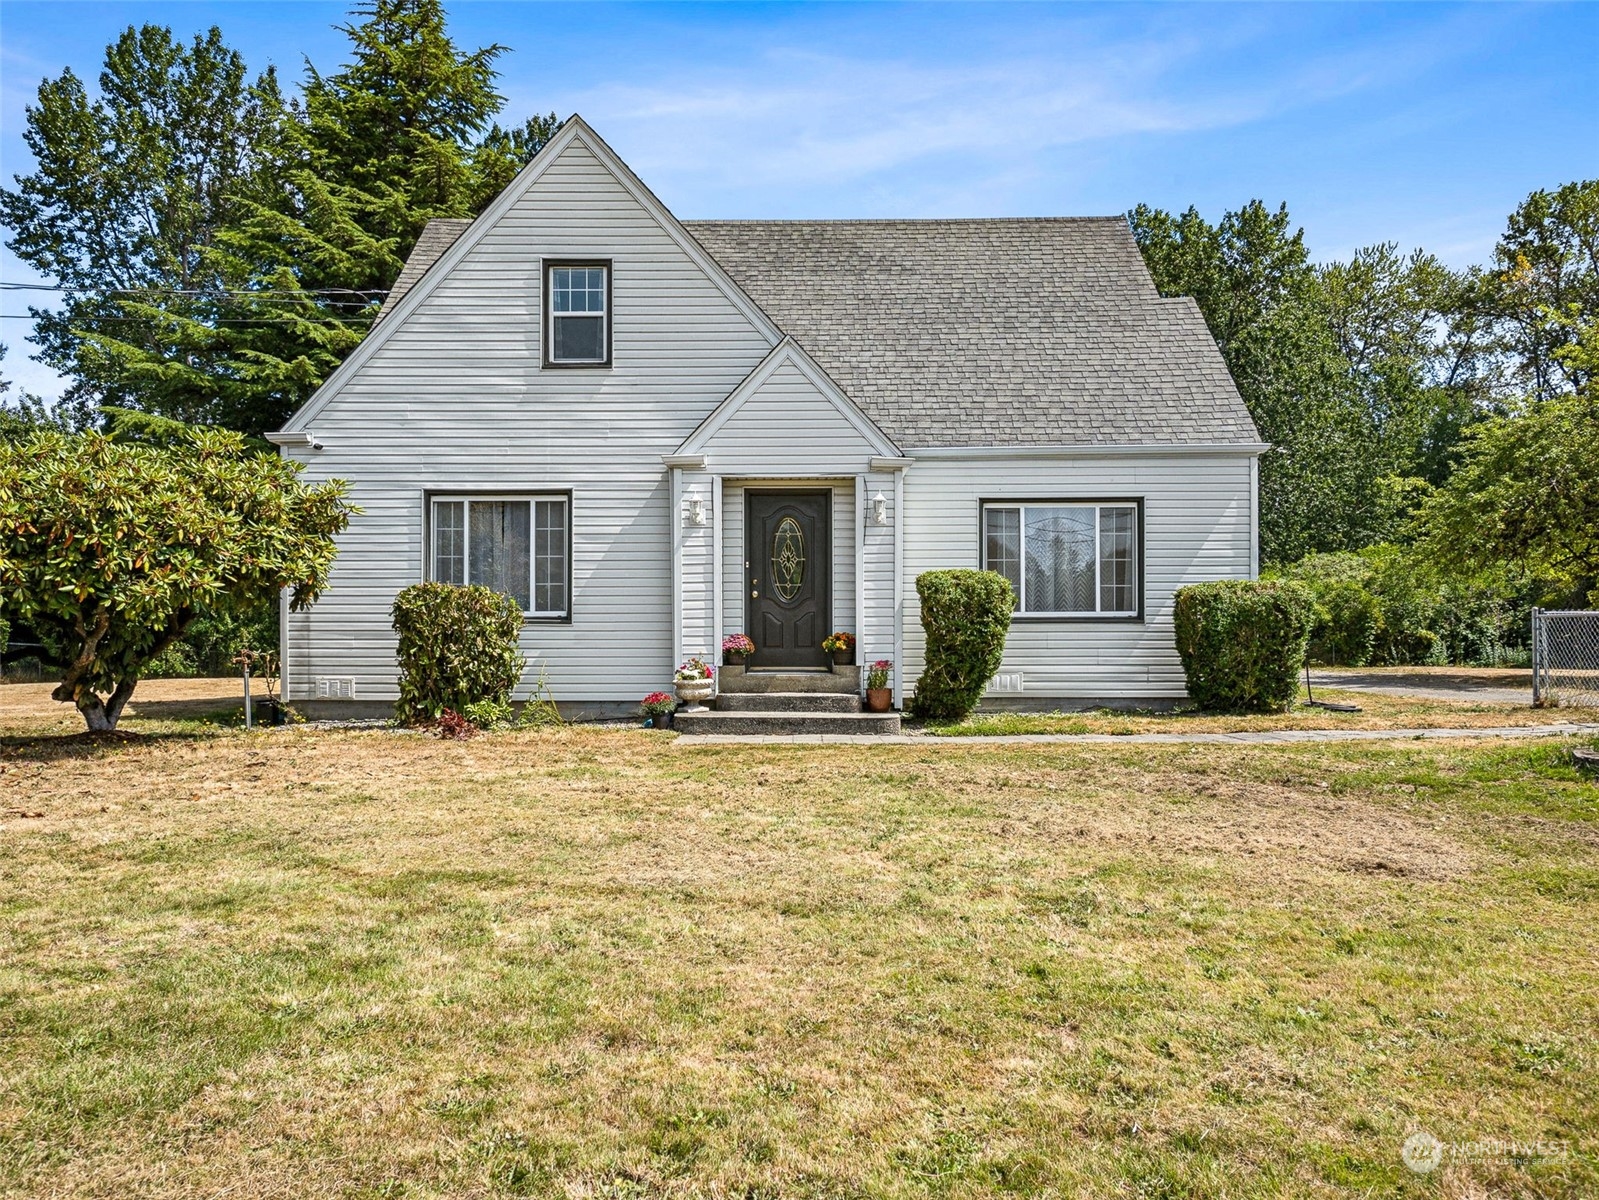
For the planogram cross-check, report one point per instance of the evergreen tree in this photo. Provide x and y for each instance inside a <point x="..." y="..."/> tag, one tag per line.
<point x="130" y="194"/>
<point x="405" y="130"/>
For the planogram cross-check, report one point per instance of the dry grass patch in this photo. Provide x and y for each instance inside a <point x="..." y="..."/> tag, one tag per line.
<point x="588" y="963"/>
<point x="1377" y="711"/>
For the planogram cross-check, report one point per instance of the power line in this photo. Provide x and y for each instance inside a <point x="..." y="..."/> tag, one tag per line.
<point x="226" y="320"/>
<point x="210" y="293"/>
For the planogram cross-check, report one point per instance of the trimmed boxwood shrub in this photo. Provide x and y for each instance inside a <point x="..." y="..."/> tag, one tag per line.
<point x="458" y="647"/>
<point x="966" y="615"/>
<point x="1242" y="642"/>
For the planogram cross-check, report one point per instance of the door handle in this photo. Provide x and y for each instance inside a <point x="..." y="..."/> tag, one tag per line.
<point x="755" y="595"/>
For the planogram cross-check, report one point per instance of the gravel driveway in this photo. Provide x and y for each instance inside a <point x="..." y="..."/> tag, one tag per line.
<point x="1480" y="685"/>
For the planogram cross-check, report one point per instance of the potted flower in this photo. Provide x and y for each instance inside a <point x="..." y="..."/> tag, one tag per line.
<point x="657" y="708"/>
<point x="878" y="694"/>
<point x="696" y="681"/>
<point x="841" y="646"/>
<point x="736" y="648"/>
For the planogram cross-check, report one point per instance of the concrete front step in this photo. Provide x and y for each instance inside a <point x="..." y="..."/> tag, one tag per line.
<point x="785" y="724"/>
<point x="840" y="681"/>
<point x="815" y="702"/>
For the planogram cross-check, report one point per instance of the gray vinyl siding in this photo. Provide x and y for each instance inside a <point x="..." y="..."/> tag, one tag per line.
<point x="455" y="400"/>
<point x="1197" y="526"/>
<point x="786" y="426"/>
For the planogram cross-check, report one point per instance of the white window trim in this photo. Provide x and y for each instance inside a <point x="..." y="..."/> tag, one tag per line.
<point x="604" y="314"/>
<point x="468" y="498"/>
<point x="1020" y="507"/>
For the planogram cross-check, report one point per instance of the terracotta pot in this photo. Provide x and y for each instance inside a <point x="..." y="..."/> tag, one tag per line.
<point x="843" y="658"/>
<point x="879" y="699"/>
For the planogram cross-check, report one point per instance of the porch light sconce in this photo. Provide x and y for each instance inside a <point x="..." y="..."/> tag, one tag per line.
<point x="879" y="509"/>
<point x="696" y="510"/>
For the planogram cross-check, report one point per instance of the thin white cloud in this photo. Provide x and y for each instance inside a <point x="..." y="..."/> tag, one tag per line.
<point x="786" y="130"/>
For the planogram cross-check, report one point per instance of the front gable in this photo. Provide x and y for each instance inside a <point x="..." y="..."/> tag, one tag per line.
<point x="483" y="296"/>
<point x="787" y="418"/>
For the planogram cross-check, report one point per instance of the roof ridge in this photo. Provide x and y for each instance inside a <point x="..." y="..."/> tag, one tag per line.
<point x="1116" y="218"/>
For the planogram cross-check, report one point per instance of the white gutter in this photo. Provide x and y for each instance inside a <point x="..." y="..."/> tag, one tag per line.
<point x="1117" y="450"/>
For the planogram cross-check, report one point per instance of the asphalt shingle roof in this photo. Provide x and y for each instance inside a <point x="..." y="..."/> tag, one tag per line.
<point x="990" y="332"/>
<point x="438" y="235"/>
<point x="1005" y="332"/>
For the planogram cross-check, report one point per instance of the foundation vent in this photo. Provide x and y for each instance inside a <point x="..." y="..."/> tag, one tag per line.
<point x="330" y="687"/>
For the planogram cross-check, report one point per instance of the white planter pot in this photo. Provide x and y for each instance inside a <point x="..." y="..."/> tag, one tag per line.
<point x="694" y="693"/>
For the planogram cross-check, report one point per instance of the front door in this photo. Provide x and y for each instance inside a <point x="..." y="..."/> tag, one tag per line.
<point x="788" y="559"/>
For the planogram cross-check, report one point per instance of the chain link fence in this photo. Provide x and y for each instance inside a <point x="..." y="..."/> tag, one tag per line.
<point x="1565" y="658"/>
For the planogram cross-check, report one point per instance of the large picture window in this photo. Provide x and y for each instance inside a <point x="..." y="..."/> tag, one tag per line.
<point x="577" y="303"/>
<point x="514" y="544"/>
<point x="1066" y="559"/>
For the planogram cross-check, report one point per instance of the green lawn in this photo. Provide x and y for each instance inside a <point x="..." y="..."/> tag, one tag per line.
<point x="589" y="963"/>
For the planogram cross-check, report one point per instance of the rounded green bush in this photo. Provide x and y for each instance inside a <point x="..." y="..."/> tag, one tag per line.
<point x="1242" y="642"/>
<point x="1347" y="620"/>
<point x="458" y="647"/>
<point x="966" y="615"/>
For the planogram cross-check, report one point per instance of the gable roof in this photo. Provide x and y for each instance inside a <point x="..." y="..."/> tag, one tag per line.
<point x="942" y="333"/>
<point x="788" y="351"/>
<point x="990" y="332"/>
<point x="438" y="235"/>
<point x="1004" y="332"/>
<point x="446" y="251"/>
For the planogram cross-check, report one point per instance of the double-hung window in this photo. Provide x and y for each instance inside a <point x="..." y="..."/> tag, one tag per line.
<point x="518" y="545"/>
<point x="1078" y="559"/>
<point x="577" y="306"/>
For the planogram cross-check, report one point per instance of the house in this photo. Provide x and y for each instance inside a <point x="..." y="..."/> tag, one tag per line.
<point x="656" y="432"/>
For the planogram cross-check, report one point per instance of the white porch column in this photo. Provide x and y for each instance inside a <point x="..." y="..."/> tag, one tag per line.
<point x="696" y="602"/>
<point x="881" y="559"/>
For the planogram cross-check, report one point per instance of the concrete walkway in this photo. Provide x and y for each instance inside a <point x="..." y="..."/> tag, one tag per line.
<point x="1275" y="737"/>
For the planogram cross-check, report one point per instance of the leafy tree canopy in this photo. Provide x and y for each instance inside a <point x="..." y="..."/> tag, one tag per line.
<point x="109" y="550"/>
<point x="24" y="413"/>
<point x="1360" y="374"/>
<point x="1547" y="287"/>
<point x="1527" y="488"/>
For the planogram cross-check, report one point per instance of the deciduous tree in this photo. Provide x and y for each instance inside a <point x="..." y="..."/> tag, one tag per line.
<point x="109" y="550"/>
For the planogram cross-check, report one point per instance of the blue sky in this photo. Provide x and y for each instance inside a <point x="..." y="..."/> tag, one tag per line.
<point x="1421" y="124"/>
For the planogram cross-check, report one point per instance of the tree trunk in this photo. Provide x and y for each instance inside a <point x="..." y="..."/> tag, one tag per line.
<point x="102" y="715"/>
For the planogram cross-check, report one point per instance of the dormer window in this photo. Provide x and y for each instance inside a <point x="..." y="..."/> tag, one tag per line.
<point x="577" y="306"/>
